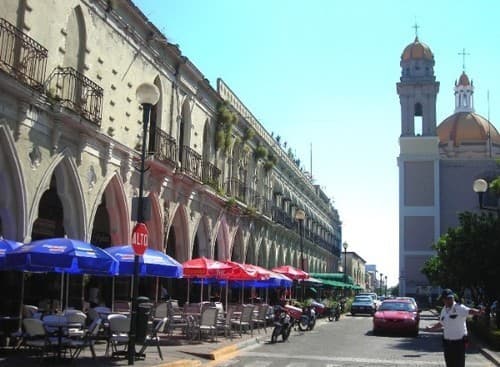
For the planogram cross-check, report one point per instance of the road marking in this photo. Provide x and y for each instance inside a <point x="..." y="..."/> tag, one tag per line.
<point x="346" y="360"/>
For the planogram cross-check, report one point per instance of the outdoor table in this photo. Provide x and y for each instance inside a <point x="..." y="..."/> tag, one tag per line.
<point x="60" y="324"/>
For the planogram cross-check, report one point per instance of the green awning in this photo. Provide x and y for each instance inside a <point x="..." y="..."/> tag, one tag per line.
<point x="335" y="284"/>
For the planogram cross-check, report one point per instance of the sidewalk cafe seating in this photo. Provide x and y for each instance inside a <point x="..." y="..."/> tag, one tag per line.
<point x="208" y="323"/>
<point x="225" y="325"/>
<point x="153" y="338"/>
<point x="245" y="321"/>
<point x="37" y="338"/>
<point x="76" y="323"/>
<point x="119" y="327"/>
<point x="91" y="335"/>
<point x="260" y="318"/>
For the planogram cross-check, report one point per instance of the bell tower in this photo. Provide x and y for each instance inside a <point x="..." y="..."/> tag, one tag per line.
<point x="418" y="164"/>
<point x="417" y="89"/>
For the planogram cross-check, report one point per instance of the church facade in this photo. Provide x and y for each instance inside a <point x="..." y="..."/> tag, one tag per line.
<point x="438" y="163"/>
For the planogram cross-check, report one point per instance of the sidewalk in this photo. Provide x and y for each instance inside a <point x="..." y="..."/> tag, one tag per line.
<point x="176" y="352"/>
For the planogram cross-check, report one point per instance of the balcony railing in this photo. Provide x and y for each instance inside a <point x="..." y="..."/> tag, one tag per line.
<point x="211" y="175"/>
<point x="235" y="188"/>
<point x="77" y="92"/>
<point x="21" y="56"/>
<point x="165" y="147"/>
<point x="191" y="162"/>
<point x="280" y="216"/>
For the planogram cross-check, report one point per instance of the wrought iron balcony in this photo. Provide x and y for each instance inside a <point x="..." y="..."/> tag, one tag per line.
<point x="235" y="188"/>
<point x="21" y="56"/>
<point x="191" y="162"/>
<point x="211" y="175"/>
<point x="280" y="216"/>
<point x="76" y="92"/>
<point x="164" y="148"/>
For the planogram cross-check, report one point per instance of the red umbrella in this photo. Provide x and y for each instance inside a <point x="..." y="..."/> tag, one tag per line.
<point x="244" y="272"/>
<point x="291" y="272"/>
<point x="205" y="268"/>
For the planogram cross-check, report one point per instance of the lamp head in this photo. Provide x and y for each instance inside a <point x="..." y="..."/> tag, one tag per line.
<point x="300" y="215"/>
<point x="147" y="93"/>
<point x="345" y="245"/>
<point x="480" y="185"/>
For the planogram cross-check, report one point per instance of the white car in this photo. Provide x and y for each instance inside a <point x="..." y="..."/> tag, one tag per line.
<point x="373" y="295"/>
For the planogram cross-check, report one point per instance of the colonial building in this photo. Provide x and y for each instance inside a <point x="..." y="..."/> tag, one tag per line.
<point x="355" y="270"/>
<point x="438" y="163"/>
<point x="219" y="185"/>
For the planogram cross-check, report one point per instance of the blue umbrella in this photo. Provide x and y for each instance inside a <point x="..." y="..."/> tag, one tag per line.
<point x="153" y="263"/>
<point x="62" y="255"/>
<point x="5" y="247"/>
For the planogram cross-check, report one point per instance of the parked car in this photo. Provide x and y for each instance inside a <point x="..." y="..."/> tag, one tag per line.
<point x="397" y="315"/>
<point x="363" y="305"/>
<point x="373" y="295"/>
<point x="411" y="299"/>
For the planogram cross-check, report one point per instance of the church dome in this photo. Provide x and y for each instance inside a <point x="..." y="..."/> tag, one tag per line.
<point x="466" y="127"/>
<point x="417" y="50"/>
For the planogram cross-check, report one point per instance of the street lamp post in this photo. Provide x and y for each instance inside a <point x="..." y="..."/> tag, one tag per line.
<point x="381" y="282"/>
<point x="480" y="186"/>
<point x="147" y="95"/>
<point x="345" y="245"/>
<point x="385" y="285"/>
<point x="300" y="215"/>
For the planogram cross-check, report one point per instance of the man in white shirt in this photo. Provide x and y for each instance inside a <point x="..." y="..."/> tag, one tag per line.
<point x="453" y="323"/>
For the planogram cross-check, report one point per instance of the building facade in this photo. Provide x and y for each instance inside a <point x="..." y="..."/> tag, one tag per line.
<point x="219" y="185"/>
<point x="438" y="163"/>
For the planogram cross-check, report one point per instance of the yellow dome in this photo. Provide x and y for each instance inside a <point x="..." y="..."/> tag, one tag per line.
<point x="466" y="127"/>
<point x="464" y="80"/>
<point x="417" y="50"/>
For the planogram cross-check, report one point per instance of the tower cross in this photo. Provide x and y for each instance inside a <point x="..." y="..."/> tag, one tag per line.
<point x="463" y="54"/>
<point x="416" y="26"/>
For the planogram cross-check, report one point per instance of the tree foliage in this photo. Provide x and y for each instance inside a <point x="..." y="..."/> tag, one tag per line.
<point x="468" y="256"/>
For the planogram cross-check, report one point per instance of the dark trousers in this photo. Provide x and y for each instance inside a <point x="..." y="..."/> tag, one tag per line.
<point x="454" y="353"/>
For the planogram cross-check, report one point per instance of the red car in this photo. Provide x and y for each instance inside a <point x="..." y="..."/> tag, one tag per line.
<point x="396" y="315"/>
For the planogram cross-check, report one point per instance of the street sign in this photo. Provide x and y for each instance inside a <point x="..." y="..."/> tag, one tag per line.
<point x="140" y="239"/>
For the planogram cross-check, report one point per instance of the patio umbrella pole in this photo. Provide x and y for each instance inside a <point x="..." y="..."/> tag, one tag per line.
<point x="67" y="292"/>
<point x="156" y="291"/>
<point x="113" y="294"/>
<point x="227" y="286"/>
<point x="22" y="302"/>
<point x="201" y="300"/>
<point x="61" y="298"/>
<point x="189" y="286"/>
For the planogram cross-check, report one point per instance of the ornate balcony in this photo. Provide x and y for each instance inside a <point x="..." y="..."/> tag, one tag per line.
<point x="165" y="147"/>
<point x="191" y="163"/>
<point x="76" y="92"/>
<point x="21" y="56"/>
<point x="235" y="188"/>
<point x="211" y="175"/>
<point x="280" y="216"/>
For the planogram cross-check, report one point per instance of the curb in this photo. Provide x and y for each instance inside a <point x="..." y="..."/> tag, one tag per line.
<point x="181" y="363"/>
<point x="230" y="349"/>
<point x="490" y="356"/>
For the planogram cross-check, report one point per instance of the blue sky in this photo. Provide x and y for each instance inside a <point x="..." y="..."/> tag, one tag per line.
<point x="324" y="72"/>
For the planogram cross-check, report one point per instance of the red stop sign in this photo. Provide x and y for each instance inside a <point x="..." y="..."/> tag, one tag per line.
<point x="140" y="239"/>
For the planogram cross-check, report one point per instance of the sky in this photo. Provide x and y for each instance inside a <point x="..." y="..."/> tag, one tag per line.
<point x="322" y="74"/>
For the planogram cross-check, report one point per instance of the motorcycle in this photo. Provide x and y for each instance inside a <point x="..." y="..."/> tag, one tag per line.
<point x="307" y="319"/>
<point x="333" y="312"/>
<point x="282" y="324"/>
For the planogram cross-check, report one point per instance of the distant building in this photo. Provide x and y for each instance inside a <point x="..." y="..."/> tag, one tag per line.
<point x="437" y="163"/>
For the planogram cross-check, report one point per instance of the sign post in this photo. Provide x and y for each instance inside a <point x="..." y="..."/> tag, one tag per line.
<point x="140" y="239"/>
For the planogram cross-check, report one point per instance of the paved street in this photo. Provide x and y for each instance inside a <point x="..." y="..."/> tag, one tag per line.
<point x="347" y="343"/>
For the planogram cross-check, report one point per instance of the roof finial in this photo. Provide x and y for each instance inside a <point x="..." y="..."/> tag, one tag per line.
<point x="463" y="53"/>
<point x="416" y="26"/>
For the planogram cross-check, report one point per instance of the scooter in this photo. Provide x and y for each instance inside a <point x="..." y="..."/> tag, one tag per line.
<point x="308" y="319"/>
<point x="333" y="313"/>
<point x="282" y="324"/>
